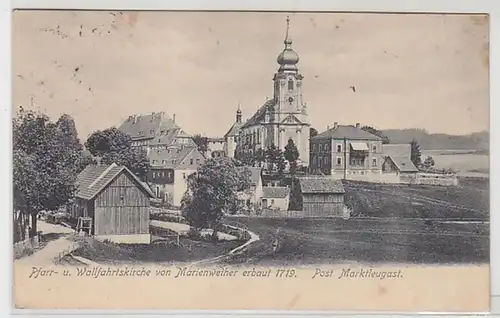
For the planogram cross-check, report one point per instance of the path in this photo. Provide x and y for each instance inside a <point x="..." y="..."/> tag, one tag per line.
<point x="183" y="229"/>
<point x="253" y="238"/>
<point x="46" y="255"/>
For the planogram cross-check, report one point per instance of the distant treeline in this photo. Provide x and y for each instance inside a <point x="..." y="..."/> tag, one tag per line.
<point x="475" y="141"/>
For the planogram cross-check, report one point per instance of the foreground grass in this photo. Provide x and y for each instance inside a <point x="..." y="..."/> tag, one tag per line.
<point x="161" y="251"/>
<point x="330" y="241"/>
<point x="469" y="200"/>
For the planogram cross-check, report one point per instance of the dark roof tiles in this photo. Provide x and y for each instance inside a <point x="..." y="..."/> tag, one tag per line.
<point x="321" y="185"/>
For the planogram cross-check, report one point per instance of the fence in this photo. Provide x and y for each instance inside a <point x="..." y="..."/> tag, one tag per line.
<point x="22" y="247"/>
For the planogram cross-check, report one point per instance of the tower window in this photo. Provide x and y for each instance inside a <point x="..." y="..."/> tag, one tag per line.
<point x="290" y="85"/>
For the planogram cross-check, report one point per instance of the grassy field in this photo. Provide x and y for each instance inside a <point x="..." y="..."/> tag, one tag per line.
<point x="469" y="200"/>
<point x="161" y="251"/>
<point x="331" y="241"/>
<point x="401" y="224"/>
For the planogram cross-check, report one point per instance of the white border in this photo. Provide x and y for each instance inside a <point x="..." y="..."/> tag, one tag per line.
<point x="464" y="6"/>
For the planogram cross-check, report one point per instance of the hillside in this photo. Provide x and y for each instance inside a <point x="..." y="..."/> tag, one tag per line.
<point x="475" y="141"/>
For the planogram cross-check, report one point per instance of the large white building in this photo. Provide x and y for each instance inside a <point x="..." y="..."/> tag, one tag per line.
<point x="281" y="118"/>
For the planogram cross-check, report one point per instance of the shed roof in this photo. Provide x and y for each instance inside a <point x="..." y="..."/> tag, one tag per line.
<point x="403" y="164"/>
<point x="94" y="178"/>
<point x="275" y="192"/>
<point x="321" y="184"/>
<point x="347" y="131"/>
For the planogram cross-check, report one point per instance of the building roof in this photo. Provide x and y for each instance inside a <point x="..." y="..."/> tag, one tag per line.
<point x="320" y="184"/>
<point x="255" y="174"/>
<point x="173" y="158"/>
<point x="260" y="114"/>
<point x="234" y="130"/>
<point x="347" y="131"/>
<point x="146" y="126"/>
<point x="403" y="164"/>
<point x="397" y="150"/>
<point x="94" y="178"/>
<point x="275" y="192"/>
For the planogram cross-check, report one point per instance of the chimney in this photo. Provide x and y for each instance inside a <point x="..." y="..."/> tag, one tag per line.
<point x="135" y="119"/>
<point x="335" y="125"/>
<point x="357" y="125"/>
<point x="173" y="118"/>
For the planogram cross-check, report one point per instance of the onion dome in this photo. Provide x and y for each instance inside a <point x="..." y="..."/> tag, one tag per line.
<point x="288" y="58"/>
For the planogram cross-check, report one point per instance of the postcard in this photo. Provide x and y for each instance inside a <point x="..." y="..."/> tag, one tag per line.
<point x="250" y="160"/>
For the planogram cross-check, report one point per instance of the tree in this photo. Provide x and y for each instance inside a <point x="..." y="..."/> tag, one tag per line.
<point x="312" y="132"/>
<point x="291" y="154"/>
<point x="45" y="157"/>
<point x="212" y="191"/>
<point x="201" y="142"/>
<point x="416" y="154"/>
<point x="376" y="132"/>
<point x="295" y="196"/>
<point x="275" y="159"/>
<point x="114" y="146"/>
<point x="428" y="162"/>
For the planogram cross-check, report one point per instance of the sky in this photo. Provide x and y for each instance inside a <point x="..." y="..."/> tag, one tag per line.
<point x="409" y="70"/>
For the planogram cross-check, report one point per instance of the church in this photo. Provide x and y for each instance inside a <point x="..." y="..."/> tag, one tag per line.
<point x="281" y="118"/>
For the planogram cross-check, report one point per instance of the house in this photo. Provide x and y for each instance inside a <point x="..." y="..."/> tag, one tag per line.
<point x="115" y="202"/>
<point x="322" y="196"/>
<point x="155" y="131"/>
<point x="275" y="198"/>
<point x="397" y="163"/>
<point x="169" y="171"/>
<point x="347" y="152"/>
<point x="252" y="196"/>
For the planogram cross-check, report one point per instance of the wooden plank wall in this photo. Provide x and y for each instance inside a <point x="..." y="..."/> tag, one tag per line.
<point x="323" y="204"/>
<point x="122" y="208"/>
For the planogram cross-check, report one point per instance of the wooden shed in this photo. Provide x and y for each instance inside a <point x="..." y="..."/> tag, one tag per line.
<point x="112" y="204"/>
<point x="322" y="196"/>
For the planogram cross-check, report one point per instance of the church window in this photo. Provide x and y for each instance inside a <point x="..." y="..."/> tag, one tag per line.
<point x="374" y="148"/>
<point x="374" y="162"/>
<point x="290" y="85"/>
<point x="326" y="161"/>
<point x="339" y="148"/>
<point x="314" y="160"/>
<point x="339" y="161"/>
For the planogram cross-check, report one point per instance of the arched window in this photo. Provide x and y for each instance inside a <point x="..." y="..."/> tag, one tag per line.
<point x="290" y="85"/>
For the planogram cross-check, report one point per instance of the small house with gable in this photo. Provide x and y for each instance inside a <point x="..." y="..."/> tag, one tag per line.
<point x="322" y="196"/>
<point x="114" y="202"/>
<point x="275" y="198"/>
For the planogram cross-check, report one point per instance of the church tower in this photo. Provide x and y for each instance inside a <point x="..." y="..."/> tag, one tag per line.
<point x="290" y="118"/>
<point x="288" y="80"/>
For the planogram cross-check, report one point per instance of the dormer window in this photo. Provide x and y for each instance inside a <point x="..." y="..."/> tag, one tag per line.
<point x="151" y="131"/>
<point x="140" y="133"/>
